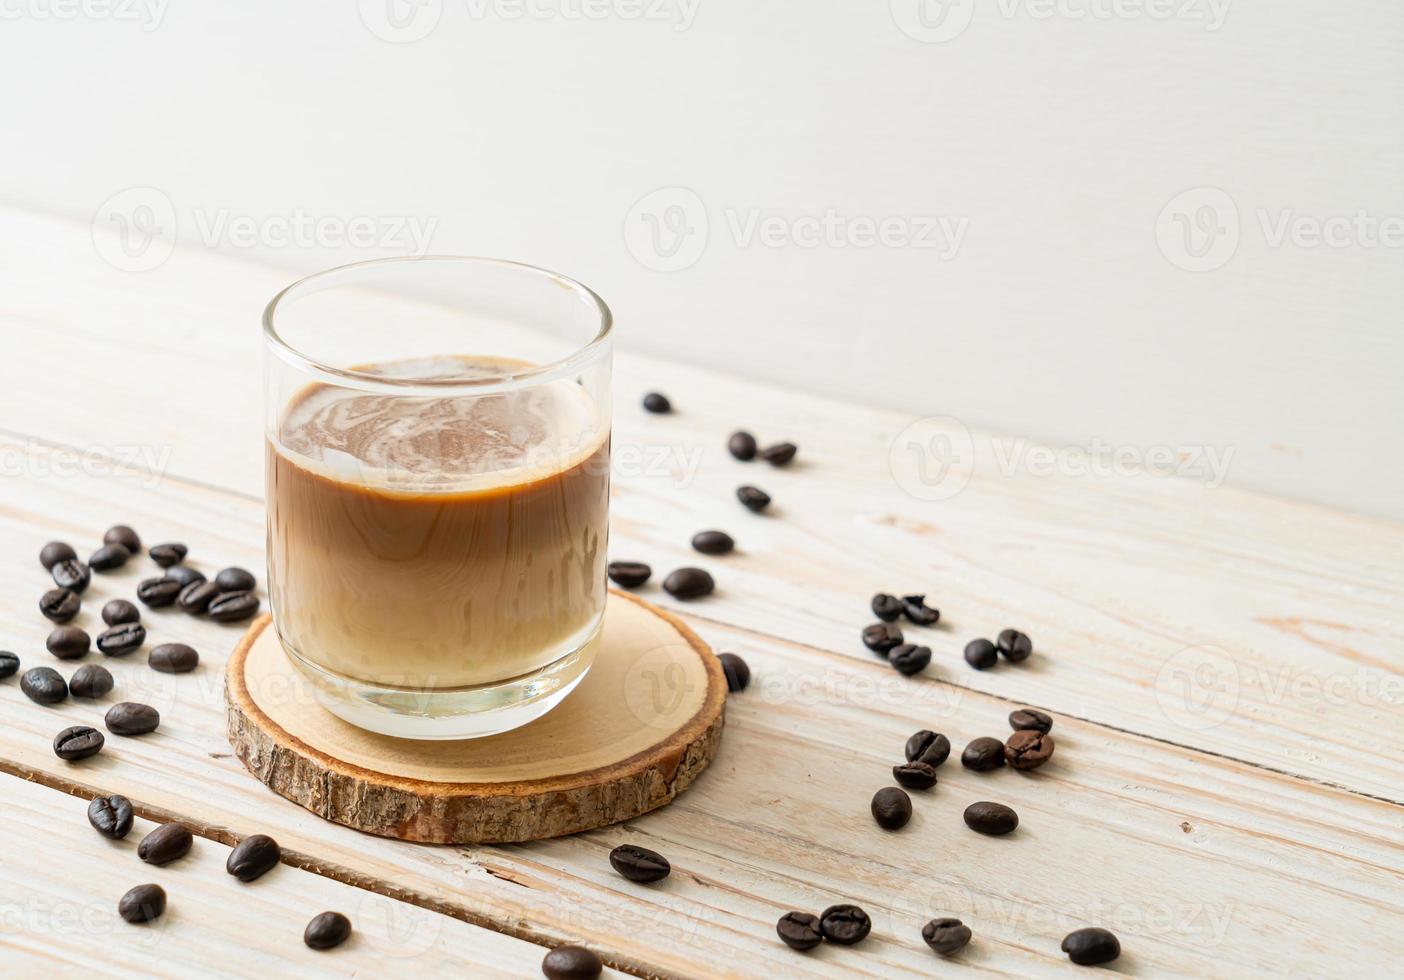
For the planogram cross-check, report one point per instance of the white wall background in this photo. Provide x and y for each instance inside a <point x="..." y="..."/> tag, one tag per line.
<point x="1053" y="132"/>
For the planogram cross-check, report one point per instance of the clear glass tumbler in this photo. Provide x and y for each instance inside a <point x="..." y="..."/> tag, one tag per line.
<point x="438" y="489"/>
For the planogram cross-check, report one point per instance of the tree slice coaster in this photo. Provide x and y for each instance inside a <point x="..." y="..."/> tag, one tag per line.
<point x="637" y="731"/>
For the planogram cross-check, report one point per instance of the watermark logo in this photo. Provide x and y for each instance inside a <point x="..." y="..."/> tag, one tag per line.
<point x="657" y="685"/>
<point x="1198" y="229"/>
<point x="148" y="13"/>
<point x="933" y="458"/>
<point x="938" y="21"/>
<point x="401" y="21"/>
<point x="932" y="21"/>
<point x="666" y="229"/>
<point x="135" y="229"/>
<point x="1197" y="689"/>
<point x="396" y="929"/>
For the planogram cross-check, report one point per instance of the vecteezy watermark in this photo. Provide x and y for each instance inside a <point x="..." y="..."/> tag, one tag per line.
<point x="937" y="21"/>
<point x="667" y="230"/>
<point x="33" y="459"/>
<point x="147" y="13"/>
<point x="407" y="21"/>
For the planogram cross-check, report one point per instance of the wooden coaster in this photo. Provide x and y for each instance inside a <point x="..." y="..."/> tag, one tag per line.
<point x="641" y="726"/>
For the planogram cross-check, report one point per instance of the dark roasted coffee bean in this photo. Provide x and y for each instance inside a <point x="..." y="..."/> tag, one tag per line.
<point x="629" y="574"/>
<point x="121" y="639"/>
<point x="71" y="574"/>
<point x="167" y="555"/>
<point x="799" y="930"/>
<point x="738" y="674"/>
<point x="78" y="742"/>
<point x="196" y="597"/>
<point x="916" y="610"/>
<point x="111" y="816"/>
<point x="68" y="643"/>
<point x="915" y="775"/>
<point x="125" y="536"/>
<point x="990" y="818"/>
<point x="886" y="607"/>
<point x="235" y="579"/>
<point x="131" y="718"/>
<point x="946" y="936"/>
<point x="90" y="681"/>
<point x="108" y="557"/>
<point x="44" y="685"/>
<point x="753" y="498"/>
<point x="1088" y="947"/>
<point x="779" y="454"/>
<point x="1014" y="645"/>
<point x="157" y="592"/>
<point x="882" y="637"/>
<point x="1028" y="749"/>
<point x="230" y="607"/>
<point x="252" y="857"/>
<point x="639" y="863"/>
<point x="185" y="575"/>
<point x="657" y="403"/>
<point x="983" y="754"/>
<point x="9" y="664"/>
<point x="54" y="552"/>
<point x="1029" y="720"/>
<point x="688" y="583"/>
<point x="571" y="963"/>
<point x="713" y="542"/>
<point x="980" y="654"/>
<point x="845" y="924"/>
<point x="120" y="611"/>
<point x="909" y="659"/>
<point x="327" y="930"/>
<point x="142" y="903"/>
<point x="742" y="445"/>
<point x="166" y="843"/>
<point x="60" y="605"/>
<point x="892" y="808"/>
<point x="173" y="658"/>
<point x="928" y="747"/>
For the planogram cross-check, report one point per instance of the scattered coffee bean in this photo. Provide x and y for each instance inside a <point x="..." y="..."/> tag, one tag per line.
<point x="688" y="583"/>
<point x="1028" y="749"/>
<point x="327" y="930"/>
<point x="9" y="664"/>
<point x="916" y="610"/>
<point x="71" y="574"/>
<point x="196" y="597"/>
<point x="142" y="903"/>
<point x="54" y="552"/>
<point x="571" y="963"/>
<point x="123" y="535"/>
<point x="886" y="607"/>
<point x="657" y="403"/>
<point x="157" y="592"/>
<point x="230" y="607"/>
<point x="946" y="936"/>
<point x="120" y="611"/>
<point x="845" y="924"/>
<point x="166" y="843"/>
<point x="44" y="685"/>
<point x="713" y="542"/>
<point x="799" y="930"/>
<point x="167" y="555"/>
<point x="60" y="605"/>
<point x="738" y="674"/>
<point x="753" y="498"/>
<point x="779" y="454"/>
<point x="742" y="445"/>
<point x="173" y="658"/>
<point x="1088" y="947"/>
<point x="78" y="742"/>
<point x="915" y="775"/>
<point x="639" y="863"/>
<point x="980" y="654"/>
<point x="111" y="816"/>
<point x="253" y="856"/>
<point x="882" y="637"/>
<point x="1029" y="720"/>
<point x="909" y="659"/>
<point x="121" y="639"/>
<point x="928" y="747"/>
<point x="235" y="579"/>
<point x="1014" y="645"/>
<point x="892" y="808"/>
<point x="131" y="718"/>
<point x="90" y="681"/>
<point x="629" y="574"/>
<point x="990" y="818"/>
<point x="983" y="754"/>
<point x="68" y="643"/>
<point x="108" y="557"/>
<point x="185" y="575"/>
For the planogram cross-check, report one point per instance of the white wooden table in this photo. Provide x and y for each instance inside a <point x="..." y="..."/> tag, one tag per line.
<point x="1224" y="671"/>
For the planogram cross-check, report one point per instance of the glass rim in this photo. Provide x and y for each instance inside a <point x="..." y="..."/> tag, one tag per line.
<point x="364" y="380"/>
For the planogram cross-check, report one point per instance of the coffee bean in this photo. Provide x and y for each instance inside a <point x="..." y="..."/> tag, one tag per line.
<point x="983" y="754"/>
<point x="68" y="643"/>
<point x="166" y="843"/>
<point x="157" y="592"/>
<point x="196" y="597"/>
<point x="142" y="903"/>
<point x="1028" y="749"/>
<point x="131" y="718"/>
<point x="77" y="742"/>
<point x="108" y="557"/>
<point x="799" y="930"/>
<point x="173" y="658"/>
<point x="892" y="808"/>
<point x="54" y="552"/>
<point x="882" y="637"/>
<point x="1027" y="719"/>
<point x="167" y="555"/>
<point x="753" y="498"/>
<point x="44" y="685"/>
<point x="779" y="454"/>
<point x="123" y="535"/>
<point x="909" y="659"/>
<point x="185" y="575"/>
<point x="915" y="775"/>
<point x="111" y="816"/>
<point x="886" y="607"/>
<point x="71" y="574"/>
<point x="9" y="664"/>
<point x="571" y="963"/>
<point x="916" y="609"/>
<point x="235" y="579"/>
<point x="629" y="574"/>
<point x="946" y="936"/>
<point x="928" y="747"/>
<point x="90" y="681"/>
<point x="688" y="583"/>
<point x="327" y="930"/>
<point x="742" y="445"/>
<point x="230" y="607"/>
<point x="980" y="654"/>
<point x="120" y="611"/>
<point x="990" y="818"/>
<point x="121" y="639"/>
<point x="712" y="542"/>
<point x="1014" y="645"/>
<point x="845" y="924"/>
<point x="1088" y="947"/>
<point x="253" y="856"/>
<point x="60" y="605"/>
<point x="657" y="403"/>
<point x="639" y="863"/>
<point x="738" y="674"/>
